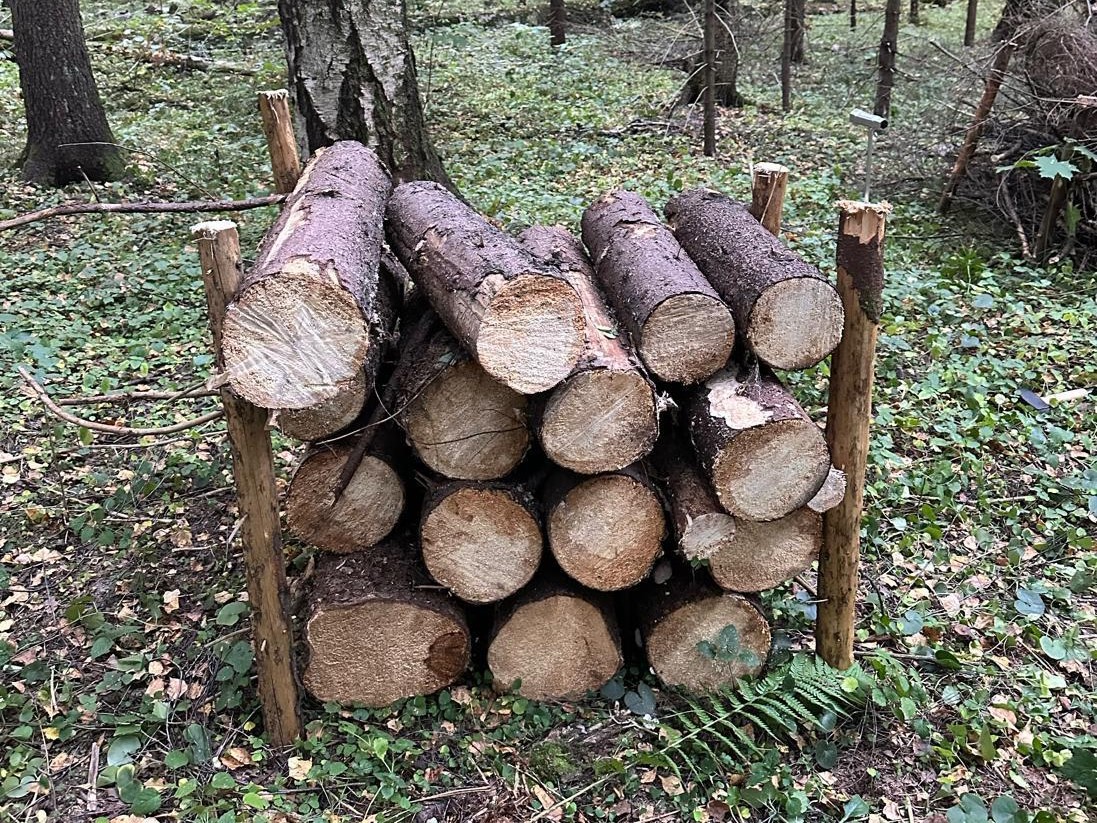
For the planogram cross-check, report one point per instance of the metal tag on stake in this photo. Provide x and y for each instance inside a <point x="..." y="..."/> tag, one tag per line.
<point x="874" y="124"/>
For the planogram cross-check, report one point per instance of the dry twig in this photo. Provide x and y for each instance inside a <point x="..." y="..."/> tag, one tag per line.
<point x="144" y="207"/>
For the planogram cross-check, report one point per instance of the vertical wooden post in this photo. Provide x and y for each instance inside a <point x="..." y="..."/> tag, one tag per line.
<point x="558" y="23"/>
<point x="278" y="127"/>
<point x="257" y="497"/>
<point x="710" y="78"/>
<point x="849" y="412"/>
<point x="972" y="17"/>
<point x="768" y="189"/>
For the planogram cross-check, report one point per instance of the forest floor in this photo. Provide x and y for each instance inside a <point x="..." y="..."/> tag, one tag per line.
<point x="128" y="685"/>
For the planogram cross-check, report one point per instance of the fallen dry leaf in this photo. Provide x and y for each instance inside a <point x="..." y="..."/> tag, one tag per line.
<point x="299" y="768"/>
<point x="671" y="785"/>
<point x="237" y="756"/>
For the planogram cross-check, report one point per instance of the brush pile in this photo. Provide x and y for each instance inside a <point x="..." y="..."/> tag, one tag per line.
<point x="556" y="438"/>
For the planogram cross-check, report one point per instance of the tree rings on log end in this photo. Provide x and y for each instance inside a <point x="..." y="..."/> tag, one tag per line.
<point x="765" y="555"/>
<point x="600" y="421"/>
<point x="558" y="647"/>
<point x="532" y="333"/>
<point x="707" y="536"/>
<point x="481" y="543"/>
<point x="795" y="323"/>
<point x="328" y="417"/>
<point x="687" y="338"/>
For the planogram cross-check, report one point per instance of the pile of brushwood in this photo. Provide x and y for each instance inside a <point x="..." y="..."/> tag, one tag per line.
<point x="508" y="433"/>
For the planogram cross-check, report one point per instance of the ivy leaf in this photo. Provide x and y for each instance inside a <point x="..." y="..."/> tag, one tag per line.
<point x="1004" y="809"/>
<point x="614" y="689"/>
<point x="1051" y="167"/>
<point x="641" y="701"/>
<point x="1081" y="769"/>
<point x="1029" y="602"/>
<point x="229" y="614"/>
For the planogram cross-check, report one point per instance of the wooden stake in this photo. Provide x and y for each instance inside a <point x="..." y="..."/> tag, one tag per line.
<point x="253" y="471"/>
<point x="278" y="127"/>
<point x="768" y="195"/>
<point x="710" y="78"/>
<point x="860" y="282"/>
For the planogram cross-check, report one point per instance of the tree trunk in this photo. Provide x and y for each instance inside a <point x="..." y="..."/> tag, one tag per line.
<point x="786" y="58"/>
<point x="799" y="30"/>
<point x="353" y="74"/>
<point x="971" y="22"/>
<point x="60" y="97"/>
<point x="708" y="58"/>
<point x="604" y="531"/>
<point x="915" y="12"/>
<point x="763" y="454"/>
<point x="852" y="14"/>
<point x="521" y="320"/>
<point x="788" y="313"/>
<point x="726" y="61"/>
<point x="765" y="555"/>
<point x="889" y="45"/>
<point x="683" y="332"/>
<point x="379" y="631"/>
<point x="604" y="416"/>
<point x="558" y="22"/>
<point x="557" y="639"/>
<point x="482" y="541"/>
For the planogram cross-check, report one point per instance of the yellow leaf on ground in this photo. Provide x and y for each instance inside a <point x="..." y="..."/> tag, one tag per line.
<point x="238" y="756"/>
<point x="299" y="768"/>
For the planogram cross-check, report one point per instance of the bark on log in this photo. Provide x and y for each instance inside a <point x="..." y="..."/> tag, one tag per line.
<point x="521" y="320"/>
<point x="558" y="639"/>
<point x="765" y="555"/>
<point x="687" y="626"/>
<point x="357" y="517"/>
<point x="785" y="309"/>
<point x="605" y="415"/>
<point x="310" y="312"/>
<point x="604" y="531"/>
<point x="482" y="541"/>
<point x="377" y="631"/>
<point x="763" y="454"/>
<point x="681" y="328"/>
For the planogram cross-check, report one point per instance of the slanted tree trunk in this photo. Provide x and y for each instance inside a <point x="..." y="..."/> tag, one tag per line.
<point x="558" y="22"/>
<point x="889" y="45"/>
<point x="726" y="60"/>
<point x="60" y="97"/>
<point x="353" y="75"/>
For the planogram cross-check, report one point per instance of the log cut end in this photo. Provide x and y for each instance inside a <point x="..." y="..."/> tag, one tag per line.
<point x="687" y="338"/>
<point x="326" y="418"/>
<point x="532" y="334"/>
<point x="558" y="647"/>
<point x="481" y="543"/>
<point x="765" y="555"/>
<point x="795" y="323"/>
<point x="600" y="421"/>
<point x="294" y="340"/>
<point x="707" y="536"/>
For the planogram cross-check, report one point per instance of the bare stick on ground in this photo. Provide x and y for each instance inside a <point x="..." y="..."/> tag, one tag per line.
<point x="521" y="320"/>
<point x="378" y="631"/>
<point x="788" y="313"/>
<point x="274" y="109"/>
<point x="144" y="207"/>
<point x="765" y="555"/>
<point x="861" y="283"/>
<point x="769" y="185"/>
<point x="681" y="328"/>
<point x="604" y="416"/>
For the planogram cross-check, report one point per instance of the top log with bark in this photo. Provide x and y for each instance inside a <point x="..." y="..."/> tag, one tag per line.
<point x="787" y="311"/>
<point x="522" y="320"/>
<point x="310" y="314"/>
<point x="681" y="328"/>
<point x="604" y="416"/>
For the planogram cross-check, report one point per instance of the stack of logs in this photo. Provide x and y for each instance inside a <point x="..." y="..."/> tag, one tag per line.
<point x="509" y="432"/>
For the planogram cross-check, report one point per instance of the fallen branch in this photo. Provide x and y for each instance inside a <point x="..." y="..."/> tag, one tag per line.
<point x="92" y="425"/>
<point x="142" y="207"/>
<point x="138" y="396"/>
<point x="191" y="62"/>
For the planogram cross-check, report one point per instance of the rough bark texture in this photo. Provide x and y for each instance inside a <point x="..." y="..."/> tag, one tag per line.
<point x="604" y="531"/>
<point x="310" y="313"/>
<point x="763" y="454"/>
<point x="353" y="75"/>
<point x="322" y="512"/>
<point x="605" y="415"/>
<point x="765" y="555"/>
<point x="687" y="616"/>
<point x="559" y="640"/>
<point x="378" y="631"/>
<point x="521" y="320"/>
<point x="460" y="422"/>
<point x="680" y="327"/>
<point x="725" y="64"/>
<point x="60" y="97"/>
<point x="482" y="541"/>
<point x="885" y="63"/>
<point x="785" y="309"/>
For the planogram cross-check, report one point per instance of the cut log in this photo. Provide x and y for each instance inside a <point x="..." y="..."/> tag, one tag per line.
<point x="522" y="320"/>
<point x="328" y="417"/>
<point x="763" y="455"/>
<point x="309" y="314"/>
<point x="832" y="492"/>
<point x="765" y="555"/>
<point x="786" y="310"/>
<point x="462" y="423"/>
<point x="702" y="528"/>
<point x="377" y="631"/>
<point x="681" y="328"/>
<point x="482" y="541"/>
<point x="557" y="640"/>
<point x="699" y="637"/>
<point x="604" y="416"/>
<point x="362" y="514"/>
<point x="604" y="531"/>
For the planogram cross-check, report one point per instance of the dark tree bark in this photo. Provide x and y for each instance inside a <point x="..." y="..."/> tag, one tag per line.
<point x="786" y="58"/>
<point x="558" y="22"/>
<point x="799" y="30"/>
<point x="61" y="99"/>
<point x="853" y="14"/>
<point x="709" y="73"/>
<point x="915" y="12"/>
<point x="353" y="75"/>
<point x="886" y="60"/>
<point x="970" y="23"/>
<point x="726" y="61"/>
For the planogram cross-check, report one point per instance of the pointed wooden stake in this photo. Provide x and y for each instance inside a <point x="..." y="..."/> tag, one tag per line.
<point x="278" y="127"/>
<point x="768" y="195"/>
